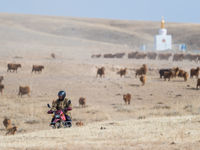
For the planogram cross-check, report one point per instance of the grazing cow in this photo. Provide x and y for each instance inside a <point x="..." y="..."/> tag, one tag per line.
<point x="82" y="101"/>
<point x="183" y="74"/>
<point x="23" y="90"/>
<point x="168" y="75"/>
<point x="175" y="72"/>
<point x="79" y="123"/>
<point x="108" y="56"/>
<point x="1" y="88"/>
<point x="122" y="72"/>
<point x="141" y="71"/>
<point x="37" y="68"/>
<point x="143" y="79"/>
<point x="13" y="67"/>
<point x="178" y="57"/>
<point x="194" y="72"/>
<point x="164" y="56"/>
<point x="151" y="55"/>
<point x="119" y="55"/>
<point x="101" y="72"/>
<point x="9" y="128"/>
<point x="1" y="78"/>
<point x="198" y="83"/>
<point x="11" y="131"/>
<point x="162" y="71"/>
<point x="96" y="56"/>
<point x="127" y="98"/>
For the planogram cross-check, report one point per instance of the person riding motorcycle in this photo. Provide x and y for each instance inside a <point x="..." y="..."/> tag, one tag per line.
<point x="62" y="103"/>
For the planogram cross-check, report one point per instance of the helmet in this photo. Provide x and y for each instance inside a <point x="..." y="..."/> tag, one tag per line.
<point x="62" y="93"/>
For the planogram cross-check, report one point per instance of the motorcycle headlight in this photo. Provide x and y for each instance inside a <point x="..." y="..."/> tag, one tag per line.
<point x="57" y="116"/>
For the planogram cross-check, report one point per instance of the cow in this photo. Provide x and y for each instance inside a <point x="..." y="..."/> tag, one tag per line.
<point x="37" y="68"/>
<point x="198" y="83"/>
<point x="82" y="101"/>
<point x="162" y="71"/>
<point x="127" y="98"/>
<point x="11" y="130"/>
<point x="178" y="57"/>
<point x="23" y="90"/>
<point x="119" y="55"/>
<point x="13" y="67"/>
<point x="143" y="79"/>
<point x="168" y="75"/>
<point x="1" y="79"/>
<point x="122" y="72"/>
<point x="164" y="56"/>
<point x="194" y="72"/>
<point x="1" y="88"/>
<point x="141" y="71"/>
<point x="151" y="55"/>
<point x="183" y="74"/>
<point x="101" y="72"/>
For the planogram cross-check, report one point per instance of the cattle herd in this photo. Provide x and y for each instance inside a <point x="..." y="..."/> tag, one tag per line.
<point x="152" y="56"/>
<point x="12" y="67"/>
<point x="166" y="74"/>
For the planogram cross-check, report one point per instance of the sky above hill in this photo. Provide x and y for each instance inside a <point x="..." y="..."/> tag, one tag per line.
<point x="150" y="10"/>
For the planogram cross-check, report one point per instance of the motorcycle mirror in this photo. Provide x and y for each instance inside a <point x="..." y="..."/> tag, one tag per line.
<point x="48" y="106"/>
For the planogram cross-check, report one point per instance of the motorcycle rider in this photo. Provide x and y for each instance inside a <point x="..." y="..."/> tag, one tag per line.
<point x="62" y="103"/>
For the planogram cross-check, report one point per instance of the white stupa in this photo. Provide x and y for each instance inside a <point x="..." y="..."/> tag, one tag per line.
<point x="162" y="41"/>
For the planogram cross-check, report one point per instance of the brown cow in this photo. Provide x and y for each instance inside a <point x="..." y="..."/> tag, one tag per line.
<point x="141" y="71"/>
<point x="122" y="72"/>
<point x="13" y="67"/>
<point x="198" y="83"/>
<point x="23" y="90"/>
<point x="164" y="56"/>
<point x="127" y="98"/>
<point x="1" y="78"/>
<point x="37" y="68"/>
<point x="9" y="128"/>
<point x="82" y="101"/>
<point x="194" y="72"/>
<point x="168" y="75"/>
<point x="183" y="74"/>
<point x="151" y="55"/>
<point x="101" y="72"/>
<point x="143" y="79"/>
<point x="1" y="88"/>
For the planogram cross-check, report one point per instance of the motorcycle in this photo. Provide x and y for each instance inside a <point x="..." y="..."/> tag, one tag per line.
<point x="59" y="119"/>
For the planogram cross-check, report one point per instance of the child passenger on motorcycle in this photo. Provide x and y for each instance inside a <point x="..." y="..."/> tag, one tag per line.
<point x="62" y="103"/>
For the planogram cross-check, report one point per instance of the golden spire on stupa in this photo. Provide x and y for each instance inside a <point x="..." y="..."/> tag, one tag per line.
<point x="162" y="23"/>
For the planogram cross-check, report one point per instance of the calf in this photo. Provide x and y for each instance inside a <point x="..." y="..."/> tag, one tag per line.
<point x="127" y="98"/>
<point x="82" y="101"/>
<point x="143" y="79"/>
<point x="101" y="72"/>
<point x="37" y="68"/>
<point x="23" y="90"/>
<point x="122" y="72"/>
<point x="194" y="72"/>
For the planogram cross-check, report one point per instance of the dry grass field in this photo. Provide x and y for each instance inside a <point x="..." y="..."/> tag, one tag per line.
<point x="162" y="115"/>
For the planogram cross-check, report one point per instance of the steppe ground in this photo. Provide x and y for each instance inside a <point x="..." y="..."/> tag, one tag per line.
<point x="163" y="115"/>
